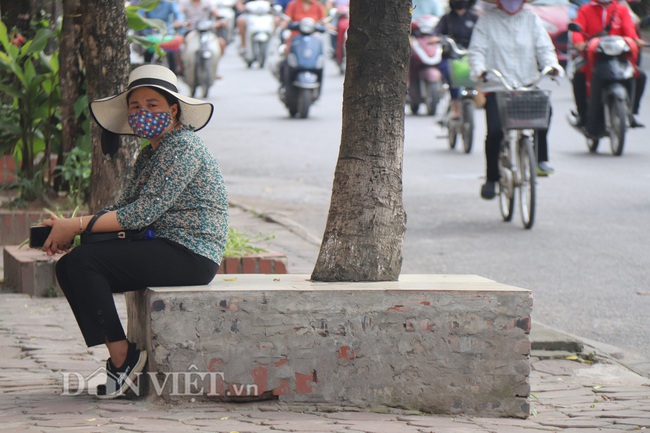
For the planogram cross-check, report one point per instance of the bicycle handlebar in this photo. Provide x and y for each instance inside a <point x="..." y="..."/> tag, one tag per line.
<point x="454" y="47"/>
<point x="515" y="86"/>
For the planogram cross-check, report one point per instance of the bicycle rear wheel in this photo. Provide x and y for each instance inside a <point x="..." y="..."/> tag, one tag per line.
<point x="506" y="183"/>
<point x="468" y="124"/>
<point x="526" y="165"/>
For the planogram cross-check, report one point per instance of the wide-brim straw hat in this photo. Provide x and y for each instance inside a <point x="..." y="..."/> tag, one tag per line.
<point x="112" y="112"/>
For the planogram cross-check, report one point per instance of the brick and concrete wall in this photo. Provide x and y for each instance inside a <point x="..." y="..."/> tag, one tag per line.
<point x="435" y="343"/>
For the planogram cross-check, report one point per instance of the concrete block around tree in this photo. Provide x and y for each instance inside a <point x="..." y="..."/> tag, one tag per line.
<point x="32" y="271"/>
<point x="435" y="343"/>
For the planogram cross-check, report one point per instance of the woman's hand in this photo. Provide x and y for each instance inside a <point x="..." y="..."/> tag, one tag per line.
<point x="63" y="232"/>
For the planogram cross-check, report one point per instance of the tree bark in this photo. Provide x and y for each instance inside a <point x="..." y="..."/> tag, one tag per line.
<point x="106" y="56"/>
<point x="366" y="221"/>
<point x="70" y="77"/>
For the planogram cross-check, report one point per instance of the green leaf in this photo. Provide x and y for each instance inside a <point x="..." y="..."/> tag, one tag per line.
<point x="4" y="37"/>
<point x="39" y="42"/>
<point x="137" y="22"/>
<point x="4" y="59"/>
<point x="148" y="5"/>
<point x="30" y="71"/>
<point x="54" y="64"/>
<point x="80" y="105"/>
<point x="11" y="90"/>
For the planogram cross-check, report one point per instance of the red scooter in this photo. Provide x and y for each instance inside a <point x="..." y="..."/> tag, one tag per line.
<point x="424" y="79"/>
<point x="613" y="60"/>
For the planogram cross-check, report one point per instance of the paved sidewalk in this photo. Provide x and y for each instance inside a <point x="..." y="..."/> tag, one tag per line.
<point x="40" y="339"/>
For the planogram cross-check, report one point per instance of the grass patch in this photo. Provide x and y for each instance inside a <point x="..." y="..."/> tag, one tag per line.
<point x="241" y="244"/>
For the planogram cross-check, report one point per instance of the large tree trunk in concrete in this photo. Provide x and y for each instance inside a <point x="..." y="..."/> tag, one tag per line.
<point x="106" y="56"/>
<point x="366" y="222"/>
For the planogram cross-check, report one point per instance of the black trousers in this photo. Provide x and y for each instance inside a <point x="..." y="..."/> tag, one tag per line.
<point x="91" y="273"/>
<point x="495" y="136"/>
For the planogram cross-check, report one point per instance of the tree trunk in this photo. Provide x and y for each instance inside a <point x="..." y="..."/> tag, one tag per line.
<point x="366" y="221"/>
<point x="70" y="77"/>
<point x="106" y="56"/>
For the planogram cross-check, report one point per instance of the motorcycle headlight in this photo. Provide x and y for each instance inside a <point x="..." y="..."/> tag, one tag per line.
<point x="203" y="26"/>
<point x="307" y="26"/>
<point x="613" y="46"/>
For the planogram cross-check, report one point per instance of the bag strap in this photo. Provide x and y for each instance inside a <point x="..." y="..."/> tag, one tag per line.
<point x="94" y="219"/>
<point x="611" y="20"/>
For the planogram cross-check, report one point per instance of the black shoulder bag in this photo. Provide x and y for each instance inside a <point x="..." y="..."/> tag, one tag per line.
<point x="87" y="237"/>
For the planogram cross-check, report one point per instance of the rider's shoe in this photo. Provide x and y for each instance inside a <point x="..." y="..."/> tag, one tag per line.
<point x="488" y="190"/>
<point x="543" y="169"/>
<point x="635" y="123"/>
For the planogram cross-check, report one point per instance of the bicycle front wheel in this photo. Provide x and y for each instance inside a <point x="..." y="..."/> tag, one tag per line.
<point x="506" y="183"/>
<point x="526" y="166"/>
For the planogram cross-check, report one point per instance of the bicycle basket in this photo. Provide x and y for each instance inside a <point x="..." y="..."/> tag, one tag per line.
<point x="524" y="109"/>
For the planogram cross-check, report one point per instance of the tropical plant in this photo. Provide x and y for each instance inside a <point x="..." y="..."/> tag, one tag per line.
<point x="30" y="79"/>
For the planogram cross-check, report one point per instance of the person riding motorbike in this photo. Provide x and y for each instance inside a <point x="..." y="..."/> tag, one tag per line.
<point x="514" y="41"/>
<point x="240" y="8"/>
<point x="169" y="12"/>
<point x="200" y="10"/>
<point x="297" y="10"/>
<point x="457" y="24"/>
<point x="602" y="17"/>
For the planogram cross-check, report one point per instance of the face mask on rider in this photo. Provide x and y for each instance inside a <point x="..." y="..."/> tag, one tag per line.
<point x="146" y="124"/>
<point x="511" y="7"/>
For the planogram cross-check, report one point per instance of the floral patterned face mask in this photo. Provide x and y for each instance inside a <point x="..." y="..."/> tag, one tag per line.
<point x="146" y="124"/>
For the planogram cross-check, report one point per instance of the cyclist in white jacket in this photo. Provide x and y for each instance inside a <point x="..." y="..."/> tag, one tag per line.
<point x="512" y="40"/>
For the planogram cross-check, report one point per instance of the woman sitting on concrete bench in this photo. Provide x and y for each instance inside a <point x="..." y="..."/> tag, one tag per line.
<point x="176" y="191"/>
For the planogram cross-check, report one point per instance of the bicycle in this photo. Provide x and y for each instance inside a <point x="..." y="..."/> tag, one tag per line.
<point x="462" y="126"/>
<point x="522" y="111"/>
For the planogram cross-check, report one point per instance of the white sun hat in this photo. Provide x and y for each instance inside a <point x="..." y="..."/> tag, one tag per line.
<point x="112" y="112"/>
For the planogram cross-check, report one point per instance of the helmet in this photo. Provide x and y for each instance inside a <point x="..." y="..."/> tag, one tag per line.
<point x="459" y="4"/>
<point x="462" y="4"/>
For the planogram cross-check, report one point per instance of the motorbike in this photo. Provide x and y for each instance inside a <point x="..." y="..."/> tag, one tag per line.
<point x="302" y="73"/>
<point x="342" y="16"/>
<point x="260" y="25"/>
<point x="226" y="11"/>
<point x="613" y="59"/>
<point x="201" y="56"/>
<point x="424" y="78"/>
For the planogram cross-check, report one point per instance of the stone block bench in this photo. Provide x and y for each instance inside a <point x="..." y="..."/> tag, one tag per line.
<point x="447" y="344"/>
<point x="32" y="271"/>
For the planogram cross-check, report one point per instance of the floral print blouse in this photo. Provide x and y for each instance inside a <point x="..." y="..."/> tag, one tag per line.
<point x="178" y="189"/>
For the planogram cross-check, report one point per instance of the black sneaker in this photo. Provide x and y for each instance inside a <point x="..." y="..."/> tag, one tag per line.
<point x="118" y="380"/>
<point x="488" y="190"/>
<point x="634" y="123"/>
